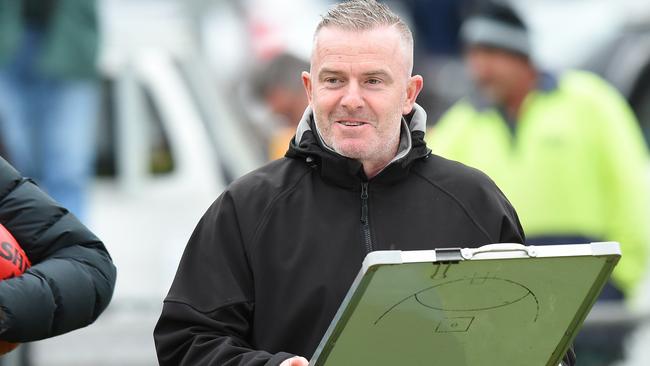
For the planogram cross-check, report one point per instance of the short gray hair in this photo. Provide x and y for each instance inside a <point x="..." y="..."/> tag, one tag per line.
<point x="361" y="15"/>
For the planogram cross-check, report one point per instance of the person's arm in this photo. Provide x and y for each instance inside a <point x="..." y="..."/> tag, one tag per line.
<point x="188" y="336"/>
<point x="72" y="278"/>
<point x="208" y="314"/>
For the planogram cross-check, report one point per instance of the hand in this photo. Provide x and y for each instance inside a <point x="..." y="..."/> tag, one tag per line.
<point x="295" y="361"/>
<point x="6" y="347"/>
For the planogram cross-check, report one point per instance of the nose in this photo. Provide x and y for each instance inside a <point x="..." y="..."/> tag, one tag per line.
<point x="479" y="63"/>
<point x="352" y="98"/>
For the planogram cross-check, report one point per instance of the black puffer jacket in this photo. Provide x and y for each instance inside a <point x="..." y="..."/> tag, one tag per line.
<point x="72" y="276"/>
<point x="270" y="261"/>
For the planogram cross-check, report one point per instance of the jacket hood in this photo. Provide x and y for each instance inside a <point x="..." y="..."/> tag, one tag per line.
<point x="309" y="146"/>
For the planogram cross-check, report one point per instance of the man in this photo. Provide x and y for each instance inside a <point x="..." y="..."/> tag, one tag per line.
<point x="271" y="260"/>
<point x="278" y="85"/>
<point x="72" y="276"/>
<point x="49" y="94"/>
<point x="566" y="150"/>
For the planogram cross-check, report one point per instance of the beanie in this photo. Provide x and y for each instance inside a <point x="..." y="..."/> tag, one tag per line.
<point x="495" y="24"/>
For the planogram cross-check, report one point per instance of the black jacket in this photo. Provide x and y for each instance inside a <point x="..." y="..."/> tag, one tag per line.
<point x="72" y="276"/>
<point x="270" y="261"/>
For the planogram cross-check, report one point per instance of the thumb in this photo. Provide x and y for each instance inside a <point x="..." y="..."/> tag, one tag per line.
<point x="298" y="361"/>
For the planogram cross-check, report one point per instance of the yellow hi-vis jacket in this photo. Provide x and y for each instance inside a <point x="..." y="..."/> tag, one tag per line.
<point x="574" y="164"/>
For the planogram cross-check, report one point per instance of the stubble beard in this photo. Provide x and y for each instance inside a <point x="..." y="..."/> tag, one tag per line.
<point x="381" y="148"/>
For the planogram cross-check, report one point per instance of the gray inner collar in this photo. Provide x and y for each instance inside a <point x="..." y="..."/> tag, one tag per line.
<point x="417" y="123"/>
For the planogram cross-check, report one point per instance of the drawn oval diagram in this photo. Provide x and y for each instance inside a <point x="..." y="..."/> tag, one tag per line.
<point x="474" y="294"/>
<point x="471" y="295"/>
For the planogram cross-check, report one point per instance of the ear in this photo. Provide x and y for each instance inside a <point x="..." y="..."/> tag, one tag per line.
<point x="413" y="88"/>
<point x="306" y="82"/>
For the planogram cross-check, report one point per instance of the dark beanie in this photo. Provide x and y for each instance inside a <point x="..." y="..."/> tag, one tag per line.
<point x="494" y="23"/>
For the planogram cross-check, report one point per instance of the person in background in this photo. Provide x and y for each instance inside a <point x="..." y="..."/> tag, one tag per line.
<point x="72" y="276"/>
<point x="277" y="83"/>
<point x="49" y="93"/>
<point x="438" y="55"/>
<point x="268" y="265"/>
<point x="565" y="148"/>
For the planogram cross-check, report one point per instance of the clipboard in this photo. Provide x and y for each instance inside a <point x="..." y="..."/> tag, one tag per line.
<point x="500" y="304"/>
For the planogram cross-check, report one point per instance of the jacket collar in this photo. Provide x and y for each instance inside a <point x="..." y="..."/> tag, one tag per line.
<point x="308" y="144"/>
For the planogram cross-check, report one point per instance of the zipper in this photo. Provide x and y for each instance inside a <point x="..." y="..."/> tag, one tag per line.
<point x="365" y="224"/>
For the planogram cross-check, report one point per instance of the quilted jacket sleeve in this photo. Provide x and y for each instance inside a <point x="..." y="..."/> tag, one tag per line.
<point x="72" y="277"/>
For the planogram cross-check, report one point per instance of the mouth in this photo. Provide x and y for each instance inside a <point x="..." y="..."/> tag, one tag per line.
<point x="349" y="123"/>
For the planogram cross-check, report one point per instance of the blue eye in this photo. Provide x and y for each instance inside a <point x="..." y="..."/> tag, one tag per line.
<point x="373" y="81"/>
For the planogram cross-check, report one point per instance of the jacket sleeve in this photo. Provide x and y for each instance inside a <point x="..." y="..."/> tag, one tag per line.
<point x="72" y="276"/>
<point x="486" y="205"/>
<point x="511" y="229"/>
<point x="443" y="139"/>
<point x="207" y="317"/>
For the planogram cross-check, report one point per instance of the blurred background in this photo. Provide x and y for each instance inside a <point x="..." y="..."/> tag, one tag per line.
<point x="195" y="93"/>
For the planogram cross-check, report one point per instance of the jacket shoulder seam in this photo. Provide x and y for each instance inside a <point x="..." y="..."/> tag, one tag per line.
<point x="459" y="203"/>
<point x="267" y="210"/>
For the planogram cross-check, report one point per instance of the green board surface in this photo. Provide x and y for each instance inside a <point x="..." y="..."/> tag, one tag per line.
<point x="518" y="311"/>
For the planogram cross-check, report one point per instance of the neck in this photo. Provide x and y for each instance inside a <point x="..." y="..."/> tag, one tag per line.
<point x="372" y="168"/>
<point x="515" y="100"/>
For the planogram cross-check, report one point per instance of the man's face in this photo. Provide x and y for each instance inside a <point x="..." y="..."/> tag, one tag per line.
<point x="495" y="72"/>
<point x="287" y="102"/>
<point x="359" y="88"/>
